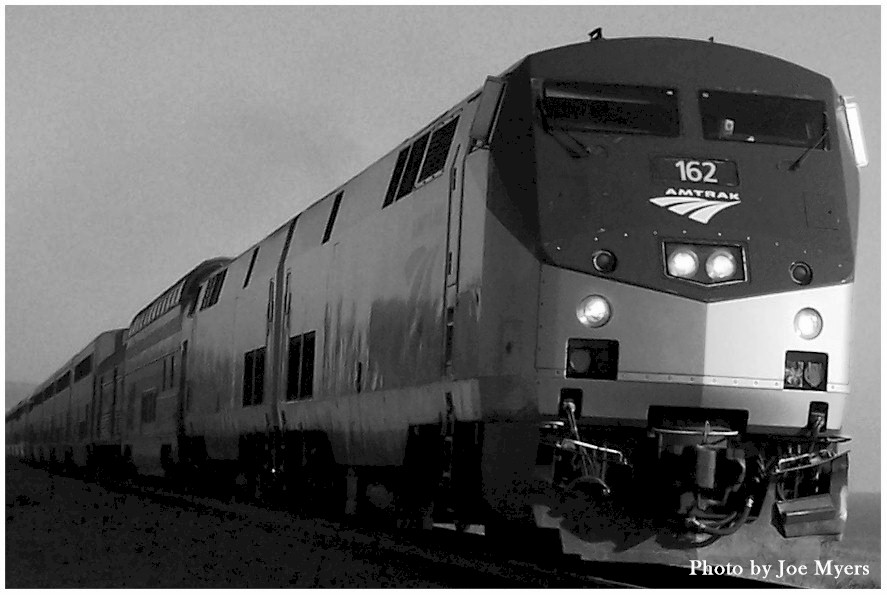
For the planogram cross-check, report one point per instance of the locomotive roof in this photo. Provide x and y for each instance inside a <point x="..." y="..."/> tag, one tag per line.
<point x="669" y="60"/>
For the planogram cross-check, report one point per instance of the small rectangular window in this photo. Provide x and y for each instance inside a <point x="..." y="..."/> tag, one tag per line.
<point x="413" y="164"/>
<point x="300" y="380"/>
<point x="63" y="382"/>
<point x="438" y="149"/>
<point x="172" y="370"/>
<point x="213" y="290"/>
<point x="177" y="294"/>
<point x="395" y="176"/>
<point x="295" y="359"/>
<point x="750" y="118"/>
<point x="610" y="109"/>
<point x="163" y="385"/>
<point x="248" y="365"/>
<point x="83" y="368"/>
<point x="332" y="220"/>
<point x="306" y="386"/>
<point x="259" y="374"/>
<point x="207" y="291"/>
<point x="253" y="377"/>
<point x="252" y="263"/>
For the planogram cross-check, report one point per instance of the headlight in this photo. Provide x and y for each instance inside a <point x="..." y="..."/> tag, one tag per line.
<point x="808" y="323"/>
<point x="593" y="311"/>
<point x="704" y="264"/>
<point x="720" y="265"/>
<point x="683" y="262"/>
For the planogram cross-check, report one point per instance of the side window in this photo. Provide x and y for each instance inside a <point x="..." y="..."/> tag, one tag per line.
<point x="83" y="368"/>
<point x="300" y="381"/>
<point x="438" y="149"/>
<point x="412" y="168"/>
<point x="395" y="176"/>
<point x="332" y="220"/>
<point x="63" y="382"/>
<point x="253" y="377"/>
<point x="213" y="290"/>
<point x="252" y="263"/>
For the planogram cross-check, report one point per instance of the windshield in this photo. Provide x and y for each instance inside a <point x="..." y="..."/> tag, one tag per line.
<point x="619" y="109"/>
<point x="765" y="119"/>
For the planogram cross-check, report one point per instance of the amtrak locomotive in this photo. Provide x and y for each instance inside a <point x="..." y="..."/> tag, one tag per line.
<point x="608" y="294"/>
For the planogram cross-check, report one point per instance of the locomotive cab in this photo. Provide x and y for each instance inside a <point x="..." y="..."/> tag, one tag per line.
<point x="693" y="208"/>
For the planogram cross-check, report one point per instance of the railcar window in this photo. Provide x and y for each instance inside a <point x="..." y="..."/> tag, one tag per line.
<point x="83" y="368"/>
<point x="300" y="380"/>
<point x="253" y="377"/>
<point x="213" y="290"/>
<point x="63" y="382"/>
<point x="178" y="292"/>
<point x="252" y="263"/>
<point x="413" y="164"/>
<point x="395" y="176"/>
<point x="618" y="109"/>
<point x="745" y="117"/>
<point x="438" y="149"/>
<point x="332" y="219"/>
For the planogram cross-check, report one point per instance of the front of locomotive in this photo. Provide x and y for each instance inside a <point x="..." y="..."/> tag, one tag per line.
<point x="696" y="214"/>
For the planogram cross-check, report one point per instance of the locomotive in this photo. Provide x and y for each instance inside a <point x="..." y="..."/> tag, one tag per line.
<point x="607" y="295"/>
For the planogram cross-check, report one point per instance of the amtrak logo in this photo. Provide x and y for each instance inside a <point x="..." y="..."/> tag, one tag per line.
<point x="698" y="205"/>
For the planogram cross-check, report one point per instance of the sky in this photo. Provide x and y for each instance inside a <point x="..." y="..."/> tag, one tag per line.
<point x="143" y="140"/>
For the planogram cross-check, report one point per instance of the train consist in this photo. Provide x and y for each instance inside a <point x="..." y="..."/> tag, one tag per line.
<point x="608" y="293"/>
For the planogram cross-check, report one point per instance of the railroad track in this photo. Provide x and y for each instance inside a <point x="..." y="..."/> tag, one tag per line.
<point x="464" y="557"/>
<point x="440" y="551"/>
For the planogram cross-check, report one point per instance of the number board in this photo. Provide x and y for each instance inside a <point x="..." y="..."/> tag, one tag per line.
<point x="696" y="171"/>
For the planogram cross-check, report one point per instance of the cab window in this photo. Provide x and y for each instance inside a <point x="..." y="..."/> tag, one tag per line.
<point x="767" y="119"/>
<point x="616" y="109"/>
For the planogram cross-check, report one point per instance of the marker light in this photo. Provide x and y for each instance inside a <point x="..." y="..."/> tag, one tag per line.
<point x="808" y="323"/>
<point x="720" y="265"/>
<point x="593" y="311"/>
<point x="801" y="273"/>
<point x="683" y="262"/>
<point x="604" y="261"/>
<point x="854" y="125"/>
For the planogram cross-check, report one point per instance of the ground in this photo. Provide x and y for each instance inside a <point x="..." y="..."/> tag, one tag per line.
<point x="63" y="532"/>
<point x="68" y="533"/>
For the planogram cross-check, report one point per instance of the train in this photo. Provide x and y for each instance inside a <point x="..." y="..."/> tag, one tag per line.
<point x="607" y="297"/>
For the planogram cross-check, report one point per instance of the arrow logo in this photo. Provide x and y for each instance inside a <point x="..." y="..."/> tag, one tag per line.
<point x="697" y="209"/>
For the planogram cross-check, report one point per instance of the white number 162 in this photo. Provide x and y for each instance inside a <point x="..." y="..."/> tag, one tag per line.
<point x="691" y="171"/>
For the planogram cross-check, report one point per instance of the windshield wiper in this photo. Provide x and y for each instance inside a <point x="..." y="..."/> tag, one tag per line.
<point x="575" y="154"/>
<point x="803" y="156"/>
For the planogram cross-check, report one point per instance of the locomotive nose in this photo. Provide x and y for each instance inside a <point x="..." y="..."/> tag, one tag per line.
<point x="657" y="349"/>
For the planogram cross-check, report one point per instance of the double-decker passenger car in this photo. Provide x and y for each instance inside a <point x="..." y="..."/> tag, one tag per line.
<point x="608" y="294"/>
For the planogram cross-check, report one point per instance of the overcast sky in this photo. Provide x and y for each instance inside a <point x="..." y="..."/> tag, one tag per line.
<point x="142" y="140"/>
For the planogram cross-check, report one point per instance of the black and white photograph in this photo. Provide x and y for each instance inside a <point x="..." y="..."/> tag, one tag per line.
<point x="398" y="296"/>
